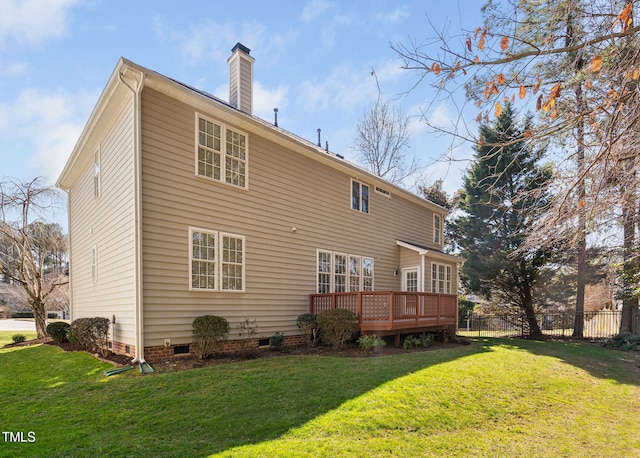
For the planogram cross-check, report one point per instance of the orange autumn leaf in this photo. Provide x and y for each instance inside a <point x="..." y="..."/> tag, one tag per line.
<point x="536" y="85"/>
<point x="539" y="103"/>
<point x="479" y="117"/>
<point x="588" y="84"/>
<point x="528" y="134"/>
<point x="504" y="43"/>
<point x="476" y="60"/>
<point x="596" y="64"/>
<point x="636" y="74"/>
<point x="482" y="40"/>
<point x="479" y="103"/>
<point x="554" y="115"/>
<point x="625" y="17"/>
<point x="523" y="92"/>
<point x="435" y="68"/>
<point x="555" y="91"/>
<point x="498" y="110"/>
<point x="581" y="203"/>
<point x="500" y="79"/>
<point x="475" y="34"/>
<point x="469" y="48"/>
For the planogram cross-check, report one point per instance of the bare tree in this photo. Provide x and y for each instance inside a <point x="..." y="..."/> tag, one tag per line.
<point x="28" y="246"/>
<point x="382" y="141"/>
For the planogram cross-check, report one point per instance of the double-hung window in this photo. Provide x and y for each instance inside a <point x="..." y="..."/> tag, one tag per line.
<point x="437" y="229"/>
<point x="440" y="278"/>
<point x="341" y="272"/>
<point x="217" y="261"/>
<point x="359" y="196"/>
<point x="97" y="180"/>
<point x="221" y="153"/>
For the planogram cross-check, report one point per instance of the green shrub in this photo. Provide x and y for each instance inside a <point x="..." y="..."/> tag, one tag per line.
<point x="17" y="338"/>
<point x="209" y="332"/>
<point x="624" y="341"/>
<point x="247" y="330"/>
<point x="91" y="333"/>
<point x="411" y="341"/>
<point x="337" y="326"/>
<point x="58" y="331"/>
<point x="308" y="322"/>
<point x="70" y="337"/>
<point x="367" y="343"/>
<point x="277" y="340"/>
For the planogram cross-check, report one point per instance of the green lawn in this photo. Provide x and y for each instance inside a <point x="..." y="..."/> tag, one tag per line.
<point x="492" y="398"/>
<point x="6" y="337"/>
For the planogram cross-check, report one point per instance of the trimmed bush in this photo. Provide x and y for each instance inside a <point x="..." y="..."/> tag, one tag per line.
<point x="337" y="326"/>
<point x="91" y="333"/>
<point x="17" y="338"/>
<point x="209" y="332"/>
<point x="308" y="322"/>
<point x="58" y="331"/>
<point x="277" y="340"/>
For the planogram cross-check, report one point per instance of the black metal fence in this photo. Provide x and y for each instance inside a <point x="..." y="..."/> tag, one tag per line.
<point x="601" y="324"/>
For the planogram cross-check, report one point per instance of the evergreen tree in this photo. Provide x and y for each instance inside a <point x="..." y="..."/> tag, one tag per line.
<point x="503" y="193"/>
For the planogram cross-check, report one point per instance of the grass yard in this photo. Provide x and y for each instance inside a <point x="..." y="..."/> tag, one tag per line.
<point x="496" y="397"/>
<point x="6" y="337"/>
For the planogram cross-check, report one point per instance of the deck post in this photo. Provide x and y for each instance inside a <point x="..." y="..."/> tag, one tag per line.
<point x="391" y="308"/>
<point x="360" y="310"/>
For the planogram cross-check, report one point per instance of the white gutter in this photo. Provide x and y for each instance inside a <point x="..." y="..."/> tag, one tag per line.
<point x="137" y="179"/>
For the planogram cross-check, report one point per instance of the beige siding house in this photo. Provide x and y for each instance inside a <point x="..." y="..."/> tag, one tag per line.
<point x="181" y="205"/>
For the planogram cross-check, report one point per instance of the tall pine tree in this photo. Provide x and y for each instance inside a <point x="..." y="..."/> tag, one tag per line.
<point x="503" y="193"/>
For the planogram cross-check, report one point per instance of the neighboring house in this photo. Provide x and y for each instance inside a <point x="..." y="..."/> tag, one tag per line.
<point x="181" y="205"/>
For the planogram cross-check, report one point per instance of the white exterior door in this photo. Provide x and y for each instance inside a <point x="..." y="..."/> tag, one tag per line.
<point x="411" y="279"/>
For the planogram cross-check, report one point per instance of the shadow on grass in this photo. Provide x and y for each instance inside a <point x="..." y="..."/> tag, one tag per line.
<point x="601" y="362"/>
<point x="191" y="413"/>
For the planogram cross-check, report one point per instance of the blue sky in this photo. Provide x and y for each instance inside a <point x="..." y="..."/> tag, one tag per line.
<point x="313" y="61"/>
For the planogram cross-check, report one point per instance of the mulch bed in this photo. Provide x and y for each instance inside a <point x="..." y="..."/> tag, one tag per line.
<point x="191" y="362"/>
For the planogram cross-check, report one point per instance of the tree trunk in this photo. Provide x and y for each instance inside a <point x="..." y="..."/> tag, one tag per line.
<point x="527" y="305"/>
<point x="578" y="325"/>
<point x="629" y="263"/>
<point x="40" y="315"/>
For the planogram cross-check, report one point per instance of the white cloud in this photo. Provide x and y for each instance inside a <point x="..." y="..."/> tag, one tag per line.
<point x="395" y="16"/>
<point x="43" y="128"/>
<point x="265" y="100"/>
<point x="33" y="21"/>
<point x="345" y="88"/>
<point x="314" y="9"/>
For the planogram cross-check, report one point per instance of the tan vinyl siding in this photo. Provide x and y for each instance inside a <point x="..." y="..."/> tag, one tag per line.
<point x="285" y="190"/>
<point x="106" y="223"/>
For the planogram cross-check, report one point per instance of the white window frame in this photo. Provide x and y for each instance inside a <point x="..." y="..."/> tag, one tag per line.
<point x="94" y="264"/>
<point x="360" y="202"/>
<point x="224" y="262"/>
<point x="219" y="261"/>
<point x="228" y="160"/>
<point x="327" y="287"/>
<point x="328" y="272"/>
<point x="97" y="175"/>
<point x="437" y="229"/>
<point x="367" y="280"/>
<point x="441" y="281"/>
<point x="344" y="285"/>
<point x="405" y="285"/>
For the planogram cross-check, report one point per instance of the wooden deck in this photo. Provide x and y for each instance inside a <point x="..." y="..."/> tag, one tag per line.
<point x="390" y="312"/>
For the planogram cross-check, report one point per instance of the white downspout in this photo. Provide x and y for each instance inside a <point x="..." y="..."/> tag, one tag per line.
<point x="137" y="178"/>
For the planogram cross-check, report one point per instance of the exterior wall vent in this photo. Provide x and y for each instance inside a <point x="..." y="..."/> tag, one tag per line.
<point x="180" y="349"/>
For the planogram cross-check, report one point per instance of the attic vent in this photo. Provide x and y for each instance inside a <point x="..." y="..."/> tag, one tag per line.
<point x="383" y="191"/>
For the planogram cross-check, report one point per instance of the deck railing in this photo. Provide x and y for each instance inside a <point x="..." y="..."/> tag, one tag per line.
<point x="391" y="310"/>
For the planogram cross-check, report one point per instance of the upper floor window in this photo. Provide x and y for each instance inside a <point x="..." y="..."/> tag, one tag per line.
<point x="437" y="229"/>
<point x="359" y="196"/>
<point x="221" y="153"/>
<point x="97" y="184"/>
<point x="342" y="272"/>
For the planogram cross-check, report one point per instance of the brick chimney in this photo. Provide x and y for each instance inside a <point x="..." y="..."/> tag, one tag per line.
<point x="241" y="78"/>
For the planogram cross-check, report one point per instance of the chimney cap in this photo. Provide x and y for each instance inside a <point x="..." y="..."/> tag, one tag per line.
<point x="241" y="47"/>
